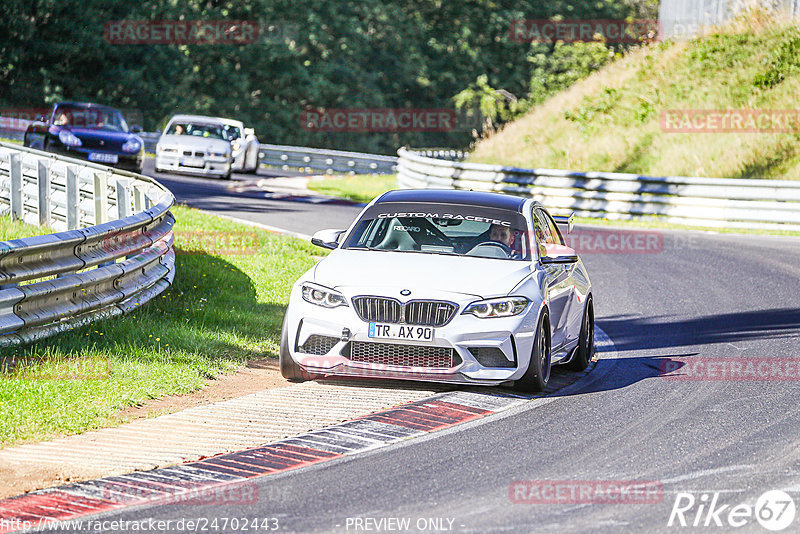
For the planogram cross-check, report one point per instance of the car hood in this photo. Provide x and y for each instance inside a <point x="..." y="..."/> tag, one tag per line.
<point x="194" y="141"/>
<point x="481" y="277"/>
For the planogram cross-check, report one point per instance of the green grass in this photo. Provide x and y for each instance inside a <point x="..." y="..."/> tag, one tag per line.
<point x="224" y="308"/>
<point x="360" y="188"/>
<point x="612" y="120"/>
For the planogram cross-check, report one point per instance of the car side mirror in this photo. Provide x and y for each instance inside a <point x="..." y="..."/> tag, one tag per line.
<point x="136" y="129"/>
<point x="558" y="255"/>
<point x="565" y="222"/>
<point x="249" y="131"/>
<point x="327" y="238"/>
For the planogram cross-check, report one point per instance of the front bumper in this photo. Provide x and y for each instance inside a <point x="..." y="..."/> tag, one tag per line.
<point x="324" y="341"/>
<point x="125" y="161"/>
<point x="212" y="166"/>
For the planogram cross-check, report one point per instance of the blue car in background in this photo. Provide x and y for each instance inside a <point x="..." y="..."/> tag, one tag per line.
<point x="91" y="132"/>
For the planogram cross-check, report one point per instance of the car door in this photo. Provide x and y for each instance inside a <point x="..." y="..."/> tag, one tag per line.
<point x="573" y="310"/>
<point x="558" y="278"/>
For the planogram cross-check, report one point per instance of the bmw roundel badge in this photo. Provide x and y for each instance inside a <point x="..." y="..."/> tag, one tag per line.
<point x="405" y="292"/>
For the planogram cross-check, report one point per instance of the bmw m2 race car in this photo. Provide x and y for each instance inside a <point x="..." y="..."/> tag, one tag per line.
<point x="443" y="286"/>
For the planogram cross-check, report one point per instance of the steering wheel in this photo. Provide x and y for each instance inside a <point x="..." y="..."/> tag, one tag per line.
<point x="492" y="244"/>
<point x="437" y="234"/>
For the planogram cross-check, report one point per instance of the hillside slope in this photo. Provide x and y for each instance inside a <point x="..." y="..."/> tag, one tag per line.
<point x="612" y="121"/>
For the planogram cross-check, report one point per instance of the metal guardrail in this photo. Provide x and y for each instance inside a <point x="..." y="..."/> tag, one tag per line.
<point x="328" y="161"/>
<point x="709" y="202"/>
<point x="113" y="250"/>
<point x="295" y="157"/>
<point x="150" y="141"/>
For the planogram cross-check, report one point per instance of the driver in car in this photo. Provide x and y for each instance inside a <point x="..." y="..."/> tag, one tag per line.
<point x="507" y="236"/>
<point x="502" y="234"/>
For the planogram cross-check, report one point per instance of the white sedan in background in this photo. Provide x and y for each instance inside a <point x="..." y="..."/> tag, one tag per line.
<point x="444" y="286"/>
<point x="194" y="144"/>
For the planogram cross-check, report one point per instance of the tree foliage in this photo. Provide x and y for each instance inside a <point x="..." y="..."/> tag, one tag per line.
<point x="340" y="54"/>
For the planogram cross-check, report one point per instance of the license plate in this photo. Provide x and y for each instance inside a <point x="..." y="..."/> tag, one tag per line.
<point x="399" y="331"/>
<point x="103" y="157"/>
<point x="193" y="162"/>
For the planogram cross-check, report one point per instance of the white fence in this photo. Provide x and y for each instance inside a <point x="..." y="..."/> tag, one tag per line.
<point x="708" y="202"/>
<point x="113" y="250"/>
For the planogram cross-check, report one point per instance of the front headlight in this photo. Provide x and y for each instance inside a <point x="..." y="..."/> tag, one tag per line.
<point x="500" y="307"/>
<point x="131" y="145"/>
<point x="235" y="145"/>
<point x="217" y="154"/>
<point x="68" y="138"/>
<point x="323" y="296"/>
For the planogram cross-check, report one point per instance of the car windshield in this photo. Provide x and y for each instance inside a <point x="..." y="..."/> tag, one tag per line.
<point x="94" y="118"/>
<point x="231" y="133"/>
<point x="458" y="230"/>
<point x="198" y="129"/>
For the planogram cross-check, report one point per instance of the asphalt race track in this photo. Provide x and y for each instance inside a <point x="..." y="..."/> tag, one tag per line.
<point x="254" y="203"/>
<point x="695" y="298"/>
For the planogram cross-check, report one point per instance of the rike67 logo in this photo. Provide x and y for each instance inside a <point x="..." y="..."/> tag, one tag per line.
<point x="774" y="510"/>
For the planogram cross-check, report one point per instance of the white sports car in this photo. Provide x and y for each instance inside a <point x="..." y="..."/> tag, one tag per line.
<point x="444" y="286"/>
<point x="209" y="146"/>
<point x="194" y="144"/>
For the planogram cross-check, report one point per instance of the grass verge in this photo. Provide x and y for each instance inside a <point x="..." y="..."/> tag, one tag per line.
<point x="359" y="188"/>
<point x="224" y="308"/>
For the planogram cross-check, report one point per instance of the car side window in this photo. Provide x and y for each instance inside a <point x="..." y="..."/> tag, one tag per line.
<point x="558" y="239"/>
<point x="542" y="233"/>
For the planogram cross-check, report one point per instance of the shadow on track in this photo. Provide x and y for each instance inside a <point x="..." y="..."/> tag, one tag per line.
<point x="637" y="333"/>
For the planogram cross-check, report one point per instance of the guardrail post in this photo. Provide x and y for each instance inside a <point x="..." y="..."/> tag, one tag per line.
<point x="123" y="199"/>
<point x="73" y="221"/>
<point x="44" y="192"/>
<point x="138" y="199"/>
<point x="100" y="198"/>
<point x="15" y="167"/>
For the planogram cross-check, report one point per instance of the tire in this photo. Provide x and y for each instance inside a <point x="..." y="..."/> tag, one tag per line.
<point x="585" y="350"/>
<point x="256" y="162"/>
<point x="289" y="369"/>
<point x="537" y="375"/>
<point x="25" y="140"/>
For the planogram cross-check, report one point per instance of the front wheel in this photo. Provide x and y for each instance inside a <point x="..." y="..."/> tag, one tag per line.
<point x="585" y="350"/>
<point x="289" y="368"/>
<point x="537" y="376"/>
